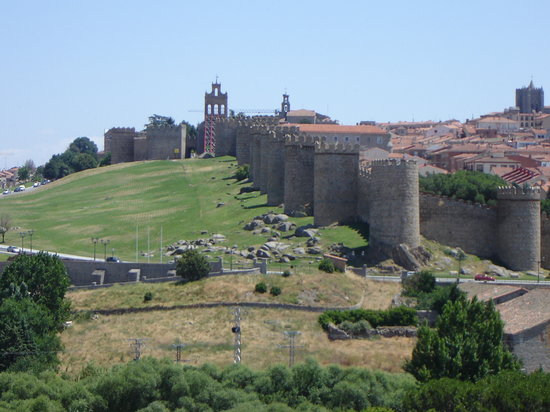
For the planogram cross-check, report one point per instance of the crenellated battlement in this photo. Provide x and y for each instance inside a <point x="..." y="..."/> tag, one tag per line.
<point x="392" y="163"/>
<point x="122" y="130"/>
<point x="518" y="193"/>
<point x="301" y="139"/>
<point x="336" y="148"/>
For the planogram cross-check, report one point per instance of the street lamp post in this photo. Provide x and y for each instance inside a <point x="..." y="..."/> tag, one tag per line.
<point x="105" y="242"/>
<point x="94" y="241"/>
<point x="22" y="234"/>
<point x="30" y="233"/>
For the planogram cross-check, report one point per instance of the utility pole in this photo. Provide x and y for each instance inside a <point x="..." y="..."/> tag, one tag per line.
<point x="236" y="329"/>
<point x="105" y="242"/>
<point x="94" y="241"/>
<point x="179" y="347"/>
<point x="137" y="344"/>
<point x="291" y="335"/>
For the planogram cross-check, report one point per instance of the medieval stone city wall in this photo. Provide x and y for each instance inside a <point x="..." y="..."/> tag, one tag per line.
<point x="154" y="143"/>
<point x="457" y="223"/>
<point x="164" y="143"/>
<point x="119" y="141"/>
<point x="335" y="183"/>
<point x="275" y="167"/>
<point x="519" y="226"/>
<point x="326" y="181"/>
<point x="393" y="195"/>
<point x="299" y="158"/>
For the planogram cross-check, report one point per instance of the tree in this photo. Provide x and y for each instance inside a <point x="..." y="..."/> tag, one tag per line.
<point x="83" y="145"/>
<point x="23" y="173"/>
<point x="28" y="339"/>
<point x="83" y="161"/>
<point x="5" y="225"/>
<point x="106" y="160"/>
<point x="157" y="120"/>
<point x="466" y="344"/>
<point x="46" y="280"/>
<point x="192" y="266"/>
<point x="29" y="164"/>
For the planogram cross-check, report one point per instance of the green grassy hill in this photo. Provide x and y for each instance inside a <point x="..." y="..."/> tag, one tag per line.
<point x="120" y="201"/>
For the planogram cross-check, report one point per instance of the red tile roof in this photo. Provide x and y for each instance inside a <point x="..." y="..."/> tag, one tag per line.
<point x="336" y="128"/>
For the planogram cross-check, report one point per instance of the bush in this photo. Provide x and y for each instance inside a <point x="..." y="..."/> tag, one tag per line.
<point x="286" y="273"/>
<point x="399" y="316"/>
<point x="148" y="297"/>
<point x="192" y="266"/>
<point x="242" y="172"/>
<point x="260" y="287"/>
<point x="326" y="265"/>
<point x="275" y="290"/>
<point x="420" y="282"/>
<point x="355" y="328"/>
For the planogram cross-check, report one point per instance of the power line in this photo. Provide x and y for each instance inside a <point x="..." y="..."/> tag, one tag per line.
<point x="291" y="335"/>
<point x="137" y="344"/>
<point x="236" y="329"/>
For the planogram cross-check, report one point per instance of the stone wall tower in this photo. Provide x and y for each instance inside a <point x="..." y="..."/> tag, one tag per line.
<point x="298" y="184"/>
<point x="519" y="227"/>
<point x="335" y="183"/>
<point x="215" y="108"/>
<point x="394" y="204"/>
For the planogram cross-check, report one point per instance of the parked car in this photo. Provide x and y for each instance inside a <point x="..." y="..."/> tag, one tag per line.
<point x="112" y="259"/>
<point x="6" y="192"/>
<point x="482" y="276"/>
<point x="13" y="249"/>
<point x="36" y="184"/>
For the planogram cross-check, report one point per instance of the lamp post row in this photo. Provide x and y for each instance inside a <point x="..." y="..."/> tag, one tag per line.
<point x="104" y="242"/>
<point x="28" y="233"/>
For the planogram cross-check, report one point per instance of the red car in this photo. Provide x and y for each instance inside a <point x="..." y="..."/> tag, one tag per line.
<point x="481" y="276"/>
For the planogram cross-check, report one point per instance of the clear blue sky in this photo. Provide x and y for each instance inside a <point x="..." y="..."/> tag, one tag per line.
<point x="76" y="68"/>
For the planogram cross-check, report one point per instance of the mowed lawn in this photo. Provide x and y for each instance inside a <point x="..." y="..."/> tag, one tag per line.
<point x="133" y="202"/>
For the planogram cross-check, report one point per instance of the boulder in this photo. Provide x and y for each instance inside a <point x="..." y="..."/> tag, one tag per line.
<point x="315" y="250"/>
<point x="280" y="218"/>
<point x="305" y="231"/>
<point x="285" y="226"/>
<point x="268" y="219"/>
<point x="299" y="251"/>
<point x="312" y="241"/>
<point x="284" y="259"/>
<point x="255" y="224"/>
<point x="218" y="237"/>
<point x="266" y="230"/>
<point x="263" y="253"/>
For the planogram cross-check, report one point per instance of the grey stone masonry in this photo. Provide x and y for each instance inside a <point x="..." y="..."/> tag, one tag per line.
<point x="299" y="158"/>
<point x="335" y="183"/>
<point x="393" y="203"/>
<point x="275" y="165"/>
<point x="519" y="227"/>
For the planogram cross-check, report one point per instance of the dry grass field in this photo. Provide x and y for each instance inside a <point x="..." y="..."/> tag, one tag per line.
<point x="207" y="332"/>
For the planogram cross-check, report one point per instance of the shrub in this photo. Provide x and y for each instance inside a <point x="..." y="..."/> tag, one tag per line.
<point x="192" y="266"/>
<point x="399" y="316"/>
<point x="420" y="282"/>
<point x="326" y="265"/>
<point x="148" y="297"/>
<point x="242" y="172"/>
<point x="260" y="287"/>
<point x="355" y="328"/>
<point x="286" y="273"/>
<point x="275" y="290"/>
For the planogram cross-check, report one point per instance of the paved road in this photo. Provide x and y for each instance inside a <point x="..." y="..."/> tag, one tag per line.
<point x="516" y="282"/>
<point x="4" y="249"/>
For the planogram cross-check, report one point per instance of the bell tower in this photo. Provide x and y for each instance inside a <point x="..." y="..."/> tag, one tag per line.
<point x="285" y="107"/>
<point x="215" y="108"/>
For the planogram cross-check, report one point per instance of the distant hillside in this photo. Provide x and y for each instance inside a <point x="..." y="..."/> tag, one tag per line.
<point x="181" y="198"/>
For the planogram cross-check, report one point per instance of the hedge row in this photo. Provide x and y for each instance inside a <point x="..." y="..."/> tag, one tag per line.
<point x="399" y="316"/>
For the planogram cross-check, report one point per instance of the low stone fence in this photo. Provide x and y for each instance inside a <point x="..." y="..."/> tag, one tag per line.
<point x="335" y="333"/>
<point x="259" y="305"/>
